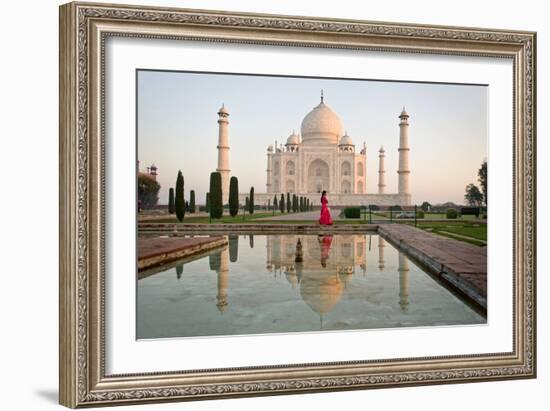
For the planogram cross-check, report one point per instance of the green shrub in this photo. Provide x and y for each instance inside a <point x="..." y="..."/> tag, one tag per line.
<point x="216" y="205"/>
<point x="251" y="201"/>
<point x="171" y="203"/>
<point x="233" y="196"/>
<point x="179" y="200"/>
<point x="282" y="203"/>
<point x="452" y="213"/>
<point x="419" y="214"/>
<point x="192" y="206"/>
<point x="352" y="212"/>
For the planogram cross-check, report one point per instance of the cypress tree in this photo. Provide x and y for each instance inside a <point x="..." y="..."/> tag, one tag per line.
<point x="233" y="196"/>
<point x="179" y="201"/>
<point x="288" y="204"/>
<point x="294" y="203"/>
<point x="192" y="201"/>
<point x="171" y="205"/>
<point x="246" y="203"/>
<point x="207" y="203"/>
<point x="216" y="205"/>
<point x="282" y="203"/>
<point x="275" y="205"/>
<point x="186" y="206"/>
<point x="251" y="201"/>
<point x="301" y="205"/>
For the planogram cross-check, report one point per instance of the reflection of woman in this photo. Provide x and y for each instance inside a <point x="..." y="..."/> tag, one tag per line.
<point x="325" y="219"/>
<point x="326" y="242"/>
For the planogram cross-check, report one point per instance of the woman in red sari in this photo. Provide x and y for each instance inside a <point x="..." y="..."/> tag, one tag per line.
<point x="325" y="219"/>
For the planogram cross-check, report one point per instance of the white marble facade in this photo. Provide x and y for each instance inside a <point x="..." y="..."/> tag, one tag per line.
<point x="324" y="157"/>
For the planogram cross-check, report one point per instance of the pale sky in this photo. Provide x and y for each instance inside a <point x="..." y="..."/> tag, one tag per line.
<point x="178" y="130"/>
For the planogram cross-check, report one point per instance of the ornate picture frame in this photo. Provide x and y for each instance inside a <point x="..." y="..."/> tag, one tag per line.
<point x="84" y="28"/>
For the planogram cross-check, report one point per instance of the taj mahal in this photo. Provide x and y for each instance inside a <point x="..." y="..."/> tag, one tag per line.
<point x="322" y="157"/>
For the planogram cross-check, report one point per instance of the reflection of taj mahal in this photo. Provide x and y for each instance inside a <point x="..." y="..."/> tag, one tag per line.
<point x="320" y="267"/>
<point x="323" y="157"/>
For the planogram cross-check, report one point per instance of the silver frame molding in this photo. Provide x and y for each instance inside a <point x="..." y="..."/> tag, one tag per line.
<point x="83" y="30"/>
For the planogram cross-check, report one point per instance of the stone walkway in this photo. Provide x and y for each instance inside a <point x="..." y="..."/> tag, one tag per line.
<point x="158" y="251"/>
<point x="463" y="266"/>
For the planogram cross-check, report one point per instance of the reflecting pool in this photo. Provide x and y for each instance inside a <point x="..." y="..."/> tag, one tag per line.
<point x="291" y="283"/>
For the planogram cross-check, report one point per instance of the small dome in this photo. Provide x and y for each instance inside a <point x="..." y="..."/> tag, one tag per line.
<point x="346" y="140"/>
<point x="321" y="125"/>
<point x="270" y="148"/>
<point x="403" y="113"/>
<point x="293" y="139"/>
<point x="381" y="150"/>
<point x="223" y="110"/>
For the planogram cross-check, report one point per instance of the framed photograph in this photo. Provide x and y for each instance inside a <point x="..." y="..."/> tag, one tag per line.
<point x="262" y="204"/>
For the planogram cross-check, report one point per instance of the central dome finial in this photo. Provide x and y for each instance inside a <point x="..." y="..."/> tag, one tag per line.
<point x="322" y="98"/>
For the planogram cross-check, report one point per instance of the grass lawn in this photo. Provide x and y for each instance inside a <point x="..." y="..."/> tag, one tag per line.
<point x="473" y="231"/>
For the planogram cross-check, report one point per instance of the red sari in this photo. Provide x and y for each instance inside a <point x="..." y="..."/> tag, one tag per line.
<point x="325" y="219"/>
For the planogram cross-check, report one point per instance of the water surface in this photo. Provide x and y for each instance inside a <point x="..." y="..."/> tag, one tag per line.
<point x="292" y="283"/>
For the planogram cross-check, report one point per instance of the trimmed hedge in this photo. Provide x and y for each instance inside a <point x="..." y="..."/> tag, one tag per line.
<point x="452" y="213"/>
<point x="216" y="205"/>
<point x="352" y="212"/>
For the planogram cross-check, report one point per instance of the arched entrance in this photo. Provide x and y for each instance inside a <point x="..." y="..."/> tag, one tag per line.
<point x="318" y="176"/>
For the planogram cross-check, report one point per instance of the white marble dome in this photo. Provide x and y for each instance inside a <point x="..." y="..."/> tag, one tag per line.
<point x="321" y="125"/>
<point x="346" y="140"/>
<point x="293" y="139"/>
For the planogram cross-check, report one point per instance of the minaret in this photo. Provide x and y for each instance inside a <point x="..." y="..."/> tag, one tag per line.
<point x="223" y="152"/>
<point x="404" y="149"/>
<point x="269" y="182"/>
<point x="403" y="269"/>
<point x="381" y="172"/>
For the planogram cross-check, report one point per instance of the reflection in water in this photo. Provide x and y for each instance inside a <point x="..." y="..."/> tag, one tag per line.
<point x="223" y="270"/>
<point x="233" y="240"/>
<point x="321" y="280"/>
<point x="321" y="271"/>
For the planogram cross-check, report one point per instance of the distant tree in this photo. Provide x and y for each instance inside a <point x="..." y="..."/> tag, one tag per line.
<point x="207" y="202"/>
<point x="148" y="190"/>
<point x="426" y="206"/>
<point x="275" y="205"/>
<point x="251" y="201"/>
<point x="233" y="196"/>
<point x="473" y="196"/>
<point x="302" y="204"/>
<point x="282" y="203"/>
<point x="216" y="205"/>
<point x="186" y="206"/>
<point x="171" y="204"/>
<point x="482" y="178"/>
<point x="192" y="201"/>
<point x="246" y="203"/>
<point x="179" y="200"/>
<point x="288" y="203"/>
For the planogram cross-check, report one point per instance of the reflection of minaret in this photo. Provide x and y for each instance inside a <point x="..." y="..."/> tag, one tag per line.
<point x="403" y="281"/>
<point x="222" y="280"/>
<point x="381" y="245"/>
<point x="381" y="172"/>
<point x="223" y="152"/>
